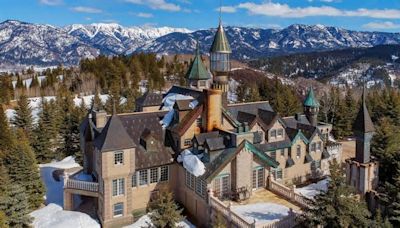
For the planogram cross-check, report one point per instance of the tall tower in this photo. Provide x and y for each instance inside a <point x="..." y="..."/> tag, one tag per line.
<point x="362" y="171"/>
<point x="220" y="62"/>
<point x="311" y="108"/>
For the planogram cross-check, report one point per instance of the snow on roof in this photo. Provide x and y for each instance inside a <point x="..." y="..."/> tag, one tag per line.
<point x="310" y="191"/>
<point x="168" y="104"/>
<point x="192" y="163"/>
<point x="66" y="163"/>
<point x="53" y="216"/>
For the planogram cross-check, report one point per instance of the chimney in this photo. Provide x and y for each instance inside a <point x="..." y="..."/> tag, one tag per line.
<point x="213" y="109"/>
<point x="100" y="118"/>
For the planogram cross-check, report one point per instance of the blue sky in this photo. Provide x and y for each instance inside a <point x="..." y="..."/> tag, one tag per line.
<point x="377" y="15"/>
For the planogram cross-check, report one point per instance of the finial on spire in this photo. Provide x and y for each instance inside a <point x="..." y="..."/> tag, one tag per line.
<point x="197" y="47"/>
<point x="220" y="12"/>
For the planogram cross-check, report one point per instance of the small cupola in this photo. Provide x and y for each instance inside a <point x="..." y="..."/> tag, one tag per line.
<point x="147" y="141"/>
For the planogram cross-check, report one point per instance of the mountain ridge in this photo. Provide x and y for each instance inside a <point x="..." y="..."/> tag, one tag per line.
<point x="45" y="45"/>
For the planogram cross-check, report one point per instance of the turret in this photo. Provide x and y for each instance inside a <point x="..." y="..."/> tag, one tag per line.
<point x="363" y="131"/>
<point x="197" y="75"/>
<point x="220" y="62"/>
<point x="311" y="108"/>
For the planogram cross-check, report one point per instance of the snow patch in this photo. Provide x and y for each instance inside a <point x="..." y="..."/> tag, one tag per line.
<point x="192" y="163"/>
<point x="261" y="212"/>
<point x="310" y="191"/>
<point x="145" y="221"/>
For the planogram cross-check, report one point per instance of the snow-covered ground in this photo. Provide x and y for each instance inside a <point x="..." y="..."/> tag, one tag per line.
<point x="310" y="191"/>
<point x="145" y="221"/>
<point x="35" y="104"/>
<point x="53" y="215"/>
<point x="262" y="212"/>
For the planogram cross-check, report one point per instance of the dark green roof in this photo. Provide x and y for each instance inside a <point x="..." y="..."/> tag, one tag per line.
<point x="197" y="70"/>
<point x="311" y="101"/>
<point x="220" y="43"/>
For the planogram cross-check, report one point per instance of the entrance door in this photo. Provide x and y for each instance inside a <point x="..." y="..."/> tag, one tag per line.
<point x="222" y="186"/>
<point x="258" y="178"/>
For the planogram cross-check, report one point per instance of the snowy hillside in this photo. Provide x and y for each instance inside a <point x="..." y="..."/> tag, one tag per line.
<point x="45" y="45"/>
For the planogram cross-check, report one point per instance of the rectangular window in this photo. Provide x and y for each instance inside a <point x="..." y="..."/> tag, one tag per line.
<point x="119" y="158"/>
<point x="134" y="179"/>
<point x="222" y="186"/>
<point x="118" y="187"/>
<point x="118" y="209"/>
<point x="298" y="151"/>
<point x="164" y="173"/>
<point x="143" y="178"/>
<point x="280" y="133"/>
<point x="273" y="154"/>
<point x="282" y="152"/>
<point x="319" y="145"/>
<point x="313" y="147"/>
<point x="273" y="133"/>
<point x="188" y="142"/>
<point x="198" y="122"/>
<point x="201" y="187"/>
<point x="277" y="173"/>
<point x="153" y="175"/>
<point x="315" y="165"/>
<point x="190" y="180"/>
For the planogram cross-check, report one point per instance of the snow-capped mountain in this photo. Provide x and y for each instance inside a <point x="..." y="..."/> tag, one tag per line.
<point x="116" y="39"/>
<point x="33" y="44"/>
<point x="255" y="42"/>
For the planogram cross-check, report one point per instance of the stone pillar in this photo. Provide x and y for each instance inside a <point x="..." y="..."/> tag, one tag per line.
<point x="68" y="201"/>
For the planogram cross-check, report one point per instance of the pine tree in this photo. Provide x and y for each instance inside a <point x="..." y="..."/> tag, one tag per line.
<point x="23" y="115"/>
<point x="96" y="101"/>
<point x="24" y="171"/>
<point x="391" y="200"/>
<point x="338" y="207"/>
<point x="19" y="84"/>
<point x="35" y="82"/>
<point x="165" y="212"/>
<point x="15" y="206"/>
<point x="3" y="219"/>
<point x="6" y="136"/>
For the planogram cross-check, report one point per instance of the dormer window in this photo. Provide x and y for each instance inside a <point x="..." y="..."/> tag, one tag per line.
<point x="273" y="133"/>
<point x="280" y="133"/>
<point x="119" y="158"/>
<point x="298" y="151"/>
<point x="188" y="142"/>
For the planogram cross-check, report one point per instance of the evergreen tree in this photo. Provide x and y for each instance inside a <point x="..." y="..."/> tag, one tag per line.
<point x="3" y="219"/>
<point x="35" y="82"/>
<point x="23" y="115"/>
<point x="15" y="206"/>
<point x="165" y="212"/>
<point x="391" y="200"/>
<point x="130" y="105"/>
<point x="5" y="132"/>
<point x="338" y="207"/>
<point x="96" y="102"/>
<point x="24" y="171"/>
<point x="19" y="84"/>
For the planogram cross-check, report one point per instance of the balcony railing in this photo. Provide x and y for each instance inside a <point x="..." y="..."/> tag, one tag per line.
<point x="81" y="185"/>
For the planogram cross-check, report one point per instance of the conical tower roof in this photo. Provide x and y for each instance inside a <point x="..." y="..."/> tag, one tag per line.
<point x="310" y="100"/>
<point x="197" y="70"/>
<point x="113" y="136"/>
<point x="363" y="121"/>
<point x="220" y="43"/>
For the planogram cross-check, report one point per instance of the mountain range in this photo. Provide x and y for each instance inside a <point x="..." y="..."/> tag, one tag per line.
<point x="47" y="45"/>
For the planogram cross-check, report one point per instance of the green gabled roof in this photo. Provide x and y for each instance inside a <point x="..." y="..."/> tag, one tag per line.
<point x="220" y="43"/>
<point x="311" y="101"/>
<point x="197" y="70"/>
<point x="263" y="156"/>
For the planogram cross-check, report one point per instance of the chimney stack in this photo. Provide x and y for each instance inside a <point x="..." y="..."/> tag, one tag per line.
<point x="213" y="109"/>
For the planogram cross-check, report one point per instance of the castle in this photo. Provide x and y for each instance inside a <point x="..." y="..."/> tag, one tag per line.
<point x="192" y="141"/>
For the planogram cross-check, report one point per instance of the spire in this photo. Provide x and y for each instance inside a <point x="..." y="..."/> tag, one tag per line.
<point x="220" y="43"/>
<point x="310" y="100"/>
<point x="363" y="121"/>
<point x="197" y="70"/>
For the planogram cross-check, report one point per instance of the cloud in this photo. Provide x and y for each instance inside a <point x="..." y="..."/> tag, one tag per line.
<point x="84" y="9"/>
<point x="145" y="15"/>
<point x="284" y="10"/>
<point x="157" y="4"/>
<point x="51" y="2"/>
<point x="227" y="9"/>
<point x="385" y="25"/>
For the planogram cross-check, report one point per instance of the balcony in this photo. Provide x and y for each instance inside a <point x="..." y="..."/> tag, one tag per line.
<point x="80" y="181"/>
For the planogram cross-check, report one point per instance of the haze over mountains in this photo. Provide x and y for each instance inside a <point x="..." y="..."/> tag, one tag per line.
<point x="46" y="45"/>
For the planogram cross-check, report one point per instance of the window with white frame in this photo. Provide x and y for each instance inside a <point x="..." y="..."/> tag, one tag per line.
<point x="190" y="180"/>
<point x="153" y="175"/>
<point x="119" y="158"/>
<point x="280" y="133"/>
<point x="201" y="188"/>
<point x="118" y="187"/>
<point x="298" y="151"/>
<point x="282" y="152"/>
<point x="273" y="133"/>
<point x="188" y="142"/>
<point x="277" y="173"/>
<point x="143" y="178"/>
<point x="164" y="173"/>
<point x="313" y="147"/>
<point x="118" y="209"/>
<point x="134" y="179"/>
